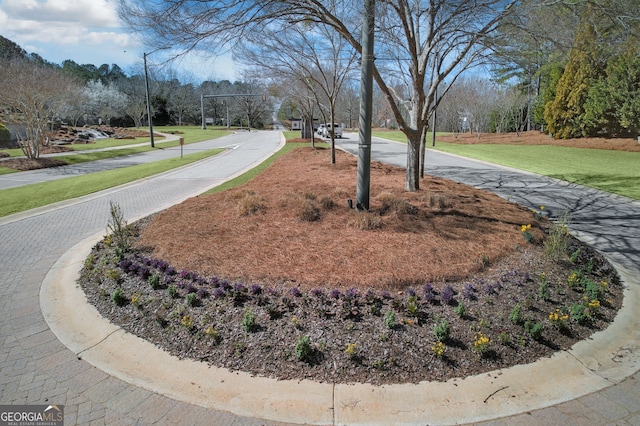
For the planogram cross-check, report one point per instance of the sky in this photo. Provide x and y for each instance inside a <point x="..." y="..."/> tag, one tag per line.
<point x="90" y="32"/>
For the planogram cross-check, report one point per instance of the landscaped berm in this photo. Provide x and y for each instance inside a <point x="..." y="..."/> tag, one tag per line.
<point x="278" y="277"/>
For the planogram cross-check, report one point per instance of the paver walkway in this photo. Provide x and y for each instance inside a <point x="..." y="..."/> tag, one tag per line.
<point x="608" y="222"/>
<point x="36" y="368"/>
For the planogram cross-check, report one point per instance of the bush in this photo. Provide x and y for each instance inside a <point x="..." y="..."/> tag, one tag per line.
<point x="441" y="331"/>
<point x="302" y="350"/>
<point x="5" y="134"/>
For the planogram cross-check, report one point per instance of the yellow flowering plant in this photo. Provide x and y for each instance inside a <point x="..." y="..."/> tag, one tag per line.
<point x="526" y="233"/>
<point x="438" y="349"/>
<point x="558" y="319"/>
<point x="481" y="344"/>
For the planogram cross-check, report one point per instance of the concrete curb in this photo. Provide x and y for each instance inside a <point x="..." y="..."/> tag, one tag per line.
<point x="605" y="359"/>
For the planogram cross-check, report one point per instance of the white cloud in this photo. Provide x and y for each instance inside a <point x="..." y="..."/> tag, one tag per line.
<point x="89" y="32"/>
<point x="90" y="13"/>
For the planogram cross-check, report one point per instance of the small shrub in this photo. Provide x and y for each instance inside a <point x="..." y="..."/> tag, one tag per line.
<point x="118" y="297"/>
<point x="481" y="344"/>
<point x="154" y="281"/>
<point x="121" y="232"/>
<point x="429" y="294"/>
<point x="136" y="300"/>
<point x="460" y="310"/>
<point x="543" y="288"/>
<point x="351" y="350"/>
<point x="113" y="274"/>
<point x="592" y="290"/>
<point x="438" y="349"/>
<point x="558" y="319"/>
<point x="213" y="334"/>
<point x="441" y="330"/>
<point x="191" y="299"/>
<point x="187" y="322"/>
<point x="533" y="329"/>
<point x="390" y="319"/>
<point x="516" y="314"/>
<point x="503" y="337"/>
<point x="173" y="291"/>
<point x="580" y="313"/>
<point x="249" y="323"/>
<point x="302" y="349"/>
<point x="5" y="134"/>
<point x="448" y="294"/>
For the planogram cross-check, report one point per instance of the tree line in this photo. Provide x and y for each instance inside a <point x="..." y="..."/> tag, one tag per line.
<point x="37" y="94"/>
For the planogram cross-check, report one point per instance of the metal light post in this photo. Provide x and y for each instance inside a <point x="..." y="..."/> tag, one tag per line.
<point x="146" y="82"/>
<point x="366" y="110"/>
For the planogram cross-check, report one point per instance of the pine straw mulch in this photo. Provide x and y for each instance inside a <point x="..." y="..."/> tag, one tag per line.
<point x="241" y="279"/>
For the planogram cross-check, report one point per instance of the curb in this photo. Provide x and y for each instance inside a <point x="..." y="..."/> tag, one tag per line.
<point x="604" y="359"/>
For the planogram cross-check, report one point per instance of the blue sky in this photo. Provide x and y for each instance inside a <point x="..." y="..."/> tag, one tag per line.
<point x="90" y="32"/>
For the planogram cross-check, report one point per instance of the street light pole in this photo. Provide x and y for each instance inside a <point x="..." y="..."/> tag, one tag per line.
<point x="146" y="82"/>
<point x="366" y="110"/>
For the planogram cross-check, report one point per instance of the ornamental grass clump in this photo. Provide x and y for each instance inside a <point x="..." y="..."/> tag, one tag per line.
<point x="557" y="242"/>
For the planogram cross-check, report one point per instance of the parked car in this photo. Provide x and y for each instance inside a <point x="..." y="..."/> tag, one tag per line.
<point x="337" y="130"/>
<point x="320" y="130"/>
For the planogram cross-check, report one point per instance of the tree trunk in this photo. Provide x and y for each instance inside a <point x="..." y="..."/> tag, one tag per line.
<point x="412" y="180"/>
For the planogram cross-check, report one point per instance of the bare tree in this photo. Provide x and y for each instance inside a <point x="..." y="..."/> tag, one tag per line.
<point x="421" y="42"/>
<point x="32" y="97"/>
<point x="311" y="54"/>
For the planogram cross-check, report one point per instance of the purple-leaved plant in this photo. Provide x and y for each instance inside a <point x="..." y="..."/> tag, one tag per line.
<point x="351" y="293"/>
<point x="429" y="294"/>
<point x="295" y="292"/>
<point x="410" y="292"/>
<point x="469" y="292"/>
<point x="256" y="289"/>
<point x="335" y="293"/>
<point x="218" y="293"/>
<point x="316" y="292"/>
<point x="202" y="293"/>
<point x="448" y="294"/>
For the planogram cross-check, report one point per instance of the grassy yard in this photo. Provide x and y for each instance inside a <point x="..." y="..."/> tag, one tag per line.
<point x="617" y="172"/>
<point x="15" y="200"/>
<point x="191" y="134"/>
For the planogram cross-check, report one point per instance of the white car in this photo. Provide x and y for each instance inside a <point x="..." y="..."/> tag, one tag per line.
<point x="337" y="130"/>
<point x="320" y="130"/>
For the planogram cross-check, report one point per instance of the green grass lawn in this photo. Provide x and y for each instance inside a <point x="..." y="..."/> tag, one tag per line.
<point x="191" y="134"/>
<point x="15" y="200"/>
<point x="617" y="172"/>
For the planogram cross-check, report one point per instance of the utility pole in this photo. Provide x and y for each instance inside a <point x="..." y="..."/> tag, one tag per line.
<point x="366" y="96"/>
<point x="146" y="82"/>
